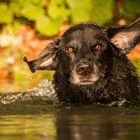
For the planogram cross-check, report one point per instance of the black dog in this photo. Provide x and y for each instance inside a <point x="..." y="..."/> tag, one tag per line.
<point x="91" y="64"/>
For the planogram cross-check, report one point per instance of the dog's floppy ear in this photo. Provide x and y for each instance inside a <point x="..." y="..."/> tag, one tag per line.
<point x="125" y="37"/>
<point x="47" y="58"/>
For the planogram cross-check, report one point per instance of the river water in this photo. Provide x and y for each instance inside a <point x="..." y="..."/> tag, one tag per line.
<point x="32" y="115"/>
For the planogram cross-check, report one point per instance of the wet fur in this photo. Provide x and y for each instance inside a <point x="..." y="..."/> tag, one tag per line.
<point x="119" y="84"/>
<point x="118" y="81"/>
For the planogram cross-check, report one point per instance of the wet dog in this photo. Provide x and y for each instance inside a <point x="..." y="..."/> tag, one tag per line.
<point x="91" y="64"/>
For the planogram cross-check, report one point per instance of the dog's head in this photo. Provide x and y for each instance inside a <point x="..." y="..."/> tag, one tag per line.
<point x="85" y="51"/>
<point x="85" y="46"/>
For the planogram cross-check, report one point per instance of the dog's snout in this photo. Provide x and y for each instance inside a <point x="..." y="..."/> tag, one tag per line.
<point x="83" y="68"/>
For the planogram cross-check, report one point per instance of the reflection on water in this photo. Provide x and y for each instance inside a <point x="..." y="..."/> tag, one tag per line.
<point x="31" y="115"/>
<point x="46" y="122"/>
<point x="99" y="123"/>
<point x="27" y="127"/>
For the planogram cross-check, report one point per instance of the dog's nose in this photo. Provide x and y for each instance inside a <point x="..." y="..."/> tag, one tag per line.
<point x="83" y="68"/>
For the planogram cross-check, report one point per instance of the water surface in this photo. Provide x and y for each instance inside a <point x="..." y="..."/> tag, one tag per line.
<point x="32" y="115"/>
<point x="46" y="122"/>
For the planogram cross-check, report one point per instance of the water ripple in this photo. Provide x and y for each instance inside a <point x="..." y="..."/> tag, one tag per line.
<point x="44" y="93"/>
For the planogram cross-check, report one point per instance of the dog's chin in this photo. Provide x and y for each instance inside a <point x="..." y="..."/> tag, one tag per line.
<point x="81" y="81"/>
<point x="85" y="82"/>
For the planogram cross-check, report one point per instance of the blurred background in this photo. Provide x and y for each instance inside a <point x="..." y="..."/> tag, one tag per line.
<point x="27" y="26"/>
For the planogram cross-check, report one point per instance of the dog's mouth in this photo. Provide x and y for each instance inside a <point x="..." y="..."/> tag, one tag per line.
<point x="78" y="80"/>
<point x="85" y="82"/>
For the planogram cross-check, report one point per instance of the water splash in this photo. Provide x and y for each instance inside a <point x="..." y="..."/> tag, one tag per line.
<point x="44" y="93"/>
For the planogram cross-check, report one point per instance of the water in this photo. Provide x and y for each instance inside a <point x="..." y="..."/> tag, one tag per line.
<point x="32" y="115"/>
<point x="42" y="94"/>
<point x="46" y="122"/>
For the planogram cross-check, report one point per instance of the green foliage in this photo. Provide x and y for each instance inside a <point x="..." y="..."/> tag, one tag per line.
<point x="47" y="16"/>
<point x="6" y="15"/>
<point x="40" y="3"/>
<point x="48" y="27"/>
<point x="32" y="12"/>
<point x="102" y="11"/>
<point x="130" y="8"/>
<point x="136" y="63"/>
<point x="15" y="7"/>
<point x="27" y="8"/>
<point x="80" y="11"/>
<point x="1" y="63"/>
<point x="57" y="10"/>
<point x="99" y="11"/>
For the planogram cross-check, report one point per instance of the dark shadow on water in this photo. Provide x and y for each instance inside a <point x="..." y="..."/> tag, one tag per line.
<point x="98" y="123"/>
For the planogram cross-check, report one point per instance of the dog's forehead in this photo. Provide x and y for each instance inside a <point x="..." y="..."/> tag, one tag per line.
<point x="83" y="32"/>
<point x="86" y="34"/>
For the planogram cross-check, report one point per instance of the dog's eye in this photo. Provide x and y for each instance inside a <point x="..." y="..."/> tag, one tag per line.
<point x="95" y="47"/>
<point x="69" y="50"/>
<point x="98" y="47"/>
